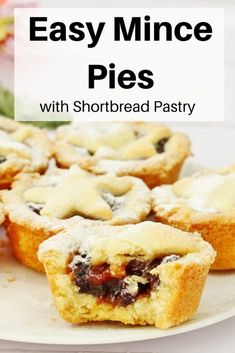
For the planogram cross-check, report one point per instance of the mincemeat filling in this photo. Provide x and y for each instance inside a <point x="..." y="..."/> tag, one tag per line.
<point x="127" y="284"/>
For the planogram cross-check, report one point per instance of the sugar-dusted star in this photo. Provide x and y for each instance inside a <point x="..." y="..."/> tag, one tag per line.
<point x="80" y="193"/>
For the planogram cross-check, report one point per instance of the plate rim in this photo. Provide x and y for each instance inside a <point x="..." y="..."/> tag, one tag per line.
<point x="70" y="341"/>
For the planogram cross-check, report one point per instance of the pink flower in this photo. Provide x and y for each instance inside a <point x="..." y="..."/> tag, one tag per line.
<point x="6" y="25"/>
<point x="7" y="6"/>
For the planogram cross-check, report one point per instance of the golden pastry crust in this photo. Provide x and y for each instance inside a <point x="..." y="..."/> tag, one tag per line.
<point x="181" y="280"/>
<point x="149" y="151"/>
<point x="2" y="213"/>
<point x="204" y="203"/>
<point x="32" y="215"/>
<point x="22" y="148"/>
<point x="25" y="241"/>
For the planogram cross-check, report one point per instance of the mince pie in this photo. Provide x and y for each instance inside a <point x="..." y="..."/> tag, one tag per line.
<point x="22" y="148"/>
<point x="145" y="274"/>
<point x="149" y="151"/>
<point x="2" y="212"/>
<point x="204" y="202"/>
<point x="39" y="206"/>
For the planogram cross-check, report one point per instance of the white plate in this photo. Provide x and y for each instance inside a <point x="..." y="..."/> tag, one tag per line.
<point x="28" y="315"/>
<point x="26" y="308"/>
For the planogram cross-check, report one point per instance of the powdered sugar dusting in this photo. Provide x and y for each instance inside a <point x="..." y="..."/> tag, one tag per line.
<point x="8" y="143"/>
<point x="201" y="193"/>
<point x="113" y="166"/>
<point x="78" y="258"/>
<point x="170" y="258"/>
<point x="108" y="242"/>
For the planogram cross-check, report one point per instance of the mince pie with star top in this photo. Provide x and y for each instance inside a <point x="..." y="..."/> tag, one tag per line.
<point x="39" y="206"/>
<point x="22" y="148"/>
<point x="141" y="274"/>
<point x="205" y="203"/>
<point x="149" y="151"/>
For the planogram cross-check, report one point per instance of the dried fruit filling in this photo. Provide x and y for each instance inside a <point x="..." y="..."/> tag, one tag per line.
<point x="129" y="282"/>
<point x="160" y="145"/>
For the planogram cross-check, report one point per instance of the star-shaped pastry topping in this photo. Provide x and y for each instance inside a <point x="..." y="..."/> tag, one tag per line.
<point x="120" y="141"/>
<point x="113" y="136"/>
<point x="78" y="193"/>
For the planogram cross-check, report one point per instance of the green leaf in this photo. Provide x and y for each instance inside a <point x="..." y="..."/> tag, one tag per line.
<point x="6" y="103"/>
<point x="7" y="109"/>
